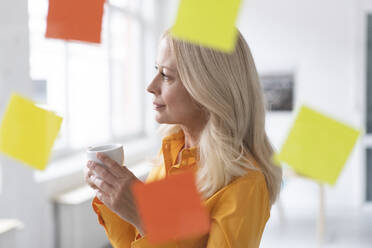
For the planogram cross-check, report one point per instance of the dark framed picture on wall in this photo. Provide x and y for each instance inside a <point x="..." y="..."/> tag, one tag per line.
<point x="278" y="90"/>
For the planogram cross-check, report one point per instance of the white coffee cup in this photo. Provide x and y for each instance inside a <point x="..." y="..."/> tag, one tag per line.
<point x="114" y="151"/>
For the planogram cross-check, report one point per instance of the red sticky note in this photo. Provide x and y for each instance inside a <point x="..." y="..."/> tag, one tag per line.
<point x="171" y="209"/>
<point x="79" y="20"/>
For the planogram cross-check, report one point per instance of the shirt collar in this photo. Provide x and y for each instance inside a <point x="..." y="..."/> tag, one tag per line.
<point x="171" y="147"/>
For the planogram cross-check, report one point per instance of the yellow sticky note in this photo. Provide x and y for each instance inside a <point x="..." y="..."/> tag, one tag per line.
<point x="27" y="132"/>
<point x="318" y="146"/>
<point x="275" y="160"/>
<point x="209" y="23"/>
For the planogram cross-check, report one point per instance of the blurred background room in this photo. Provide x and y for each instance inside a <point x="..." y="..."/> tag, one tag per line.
<point x="314" y="52"/>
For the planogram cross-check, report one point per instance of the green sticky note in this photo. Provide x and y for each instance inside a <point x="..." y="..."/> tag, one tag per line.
<point x="209" y="23"/>
<point x="318" y="146"/>
<point x="27" y="132"/>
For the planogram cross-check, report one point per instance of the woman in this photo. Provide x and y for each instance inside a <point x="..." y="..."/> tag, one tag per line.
<point x="211" y="108"/>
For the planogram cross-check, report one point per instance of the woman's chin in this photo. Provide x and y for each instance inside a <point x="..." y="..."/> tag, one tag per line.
<point x="162" y="120"/>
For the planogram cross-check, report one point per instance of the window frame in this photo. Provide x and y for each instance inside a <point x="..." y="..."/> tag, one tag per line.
<point x="136" y="16"/>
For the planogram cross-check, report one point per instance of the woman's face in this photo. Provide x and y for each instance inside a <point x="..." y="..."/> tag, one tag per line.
<point x="172" y="102"/>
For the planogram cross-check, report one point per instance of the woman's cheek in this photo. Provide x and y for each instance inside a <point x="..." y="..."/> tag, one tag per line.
<point x="169" y="97"/>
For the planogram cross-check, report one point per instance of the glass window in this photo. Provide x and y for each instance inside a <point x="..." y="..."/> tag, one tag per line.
<point x="97" y="88"/>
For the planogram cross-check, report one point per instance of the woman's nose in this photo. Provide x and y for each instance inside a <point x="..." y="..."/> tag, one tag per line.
<point x="153" y="87"/>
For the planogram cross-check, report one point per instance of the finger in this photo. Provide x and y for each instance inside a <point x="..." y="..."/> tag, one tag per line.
<point x="102" y="185"/>
<point x="90" y="182"/>
<point x="87" y="178"/>
<point x="103" y="197"/>
<point x="87" y="171"/>
<point x="110" y="163"/>
<point x="87" y="174"/>
<point x="102" y="173"/>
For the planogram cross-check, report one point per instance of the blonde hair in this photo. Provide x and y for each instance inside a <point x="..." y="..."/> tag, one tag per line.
<point x="228" y="87"/>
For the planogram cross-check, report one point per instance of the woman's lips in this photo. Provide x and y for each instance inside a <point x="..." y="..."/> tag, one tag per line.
<point x="158" y="106"/>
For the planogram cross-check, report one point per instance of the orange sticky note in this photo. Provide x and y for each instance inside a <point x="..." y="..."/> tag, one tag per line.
<point x="171" y="208"/>
<point x="79" y="20"/>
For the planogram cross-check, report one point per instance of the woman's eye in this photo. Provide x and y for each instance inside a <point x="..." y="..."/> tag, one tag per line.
<point x="165" y="77"/>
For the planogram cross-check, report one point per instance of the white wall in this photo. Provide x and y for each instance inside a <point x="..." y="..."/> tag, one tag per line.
<point x="317" y="41"/>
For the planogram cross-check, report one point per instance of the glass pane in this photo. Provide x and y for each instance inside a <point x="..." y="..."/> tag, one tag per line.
<point x="79" y="78"/>
<point x="37" y="9"/>
<point x="47" y="64"/>
<point x="128" y="90"/>
<point x="88" y="94"/>
<point x="369" y="77"/>
<point x="130" y="5"/>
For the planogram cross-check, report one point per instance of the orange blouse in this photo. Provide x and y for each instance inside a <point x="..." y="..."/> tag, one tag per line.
<point x="238" y="211"/>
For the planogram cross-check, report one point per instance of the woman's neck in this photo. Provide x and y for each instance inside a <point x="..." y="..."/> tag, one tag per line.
<point x="193" y="130"/>
<point x="192" y="136"/>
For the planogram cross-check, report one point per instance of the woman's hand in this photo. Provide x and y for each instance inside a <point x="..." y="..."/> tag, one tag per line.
<point x="113" y="188"/>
